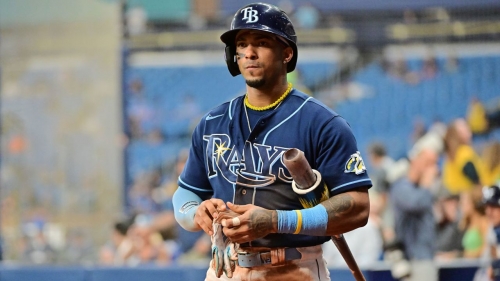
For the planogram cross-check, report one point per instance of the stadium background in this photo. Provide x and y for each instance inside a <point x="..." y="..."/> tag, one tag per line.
<point x="99" y="97"/>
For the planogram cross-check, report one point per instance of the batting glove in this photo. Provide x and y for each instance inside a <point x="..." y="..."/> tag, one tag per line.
<point x="224" y="255"/>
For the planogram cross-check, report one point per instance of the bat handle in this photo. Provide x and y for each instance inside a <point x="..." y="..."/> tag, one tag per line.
<point x="344" y="250"/>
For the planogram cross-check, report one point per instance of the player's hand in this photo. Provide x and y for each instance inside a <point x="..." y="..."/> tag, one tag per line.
<point x="252" y="223"/>
<point x="207" y="212"/>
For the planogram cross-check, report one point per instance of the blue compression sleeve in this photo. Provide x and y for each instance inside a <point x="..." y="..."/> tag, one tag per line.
<point x="185" y="205"/>
<point x="311" y="221"/>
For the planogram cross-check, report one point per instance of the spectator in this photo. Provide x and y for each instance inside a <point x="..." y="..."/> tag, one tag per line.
<point x="430" y="68"/>
<point x="491" y="159"/>
<point x="142" y="190"/>
<point x="414" y="219"/>
<point x="474" y="224"/>
<point x="462" y="169"/>
<point x="452" y="63"/>
<point x="432" y="139"/>
<point x="148" y="247"/>
<point x="199" y="253"/>
<point x="448" y="234"/>
<point x="119" y="250"/>
<point x="381" y="167"/>
<point x="79" y="249"/>
<point x="483" y="120"/>
<point x="36" y="249"/>
<point x="381" y="164"/>
<point x="365" y="251"/>
<point x="140" y="111"/>
<point x="399" y="70"/>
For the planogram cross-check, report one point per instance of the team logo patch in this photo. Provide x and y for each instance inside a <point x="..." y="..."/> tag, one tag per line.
<point x="355" y="164"/>
<point x="250" y="15"/>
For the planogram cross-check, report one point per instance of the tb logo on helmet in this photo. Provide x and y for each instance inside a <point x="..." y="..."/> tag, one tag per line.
<point x="250" y="15"/>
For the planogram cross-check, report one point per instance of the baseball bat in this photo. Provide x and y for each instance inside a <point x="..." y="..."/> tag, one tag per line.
<point x="304" y="177"/>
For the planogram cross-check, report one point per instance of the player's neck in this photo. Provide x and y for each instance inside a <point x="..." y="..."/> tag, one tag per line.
<point x="263" y="97"/>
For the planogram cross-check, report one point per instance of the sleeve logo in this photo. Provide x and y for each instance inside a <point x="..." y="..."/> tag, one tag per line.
<point x="355" y="164"/>
<point x="187" y="206"/>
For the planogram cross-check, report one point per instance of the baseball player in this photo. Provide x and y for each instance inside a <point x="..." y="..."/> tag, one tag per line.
<point x="235" y="163"/>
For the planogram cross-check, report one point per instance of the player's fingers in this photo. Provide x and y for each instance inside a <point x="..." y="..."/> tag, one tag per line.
<point x="205" y="224"/>
<point x="232" y="222"/>
<point x="226" y="215"/>
<point x="238" y="208"/>
<point x="234" y="232"/>
<point x="210" y="209"/>
<point x="219" y="205"/>
<point x="204" y="217"/>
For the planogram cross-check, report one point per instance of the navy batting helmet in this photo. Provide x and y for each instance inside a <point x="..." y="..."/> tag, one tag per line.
<point x="491" y="195"/>
<point x="264" y="17"/>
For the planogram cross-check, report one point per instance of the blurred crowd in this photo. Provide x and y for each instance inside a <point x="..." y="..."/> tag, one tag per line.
<point x="429" y="207"/>
<point x="150" y="234"/>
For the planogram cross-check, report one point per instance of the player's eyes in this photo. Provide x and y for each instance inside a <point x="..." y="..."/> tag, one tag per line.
<point x="241" y="44"/>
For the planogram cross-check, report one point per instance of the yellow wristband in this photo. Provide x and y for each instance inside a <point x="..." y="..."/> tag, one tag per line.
<point x="299" y="221"/>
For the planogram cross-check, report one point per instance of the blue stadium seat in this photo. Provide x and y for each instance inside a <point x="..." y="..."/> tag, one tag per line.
<point x="389" y="112"/>
<point x="396" y="104"/>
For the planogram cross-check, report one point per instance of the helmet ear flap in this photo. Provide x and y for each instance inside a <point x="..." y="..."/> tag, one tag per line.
<point x="231" y="60"/>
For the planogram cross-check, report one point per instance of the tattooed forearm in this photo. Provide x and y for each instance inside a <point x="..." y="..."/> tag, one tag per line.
<point x="338" y="205"/>
<point x="261" y="221"/>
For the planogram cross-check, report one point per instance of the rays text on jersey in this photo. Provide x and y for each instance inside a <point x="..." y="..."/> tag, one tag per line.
<point x="256" y="165"/>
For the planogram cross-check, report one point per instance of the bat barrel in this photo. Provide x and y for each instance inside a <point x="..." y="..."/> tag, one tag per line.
<point x="296" y="162"/>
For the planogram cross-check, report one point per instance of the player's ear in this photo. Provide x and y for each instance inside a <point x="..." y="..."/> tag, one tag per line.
<point x="287" y="54"/>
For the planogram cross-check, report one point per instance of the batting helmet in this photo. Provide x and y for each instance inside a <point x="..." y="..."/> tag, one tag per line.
<point x="491" y="195"/>
<point x="264" y="17"/>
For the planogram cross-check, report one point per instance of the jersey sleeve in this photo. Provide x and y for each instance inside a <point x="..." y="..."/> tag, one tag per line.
<point x="339" y="160"/>
<point x="194" y="176"/>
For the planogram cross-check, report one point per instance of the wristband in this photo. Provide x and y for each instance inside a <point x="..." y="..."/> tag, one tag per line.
<point x="311" y="221"/>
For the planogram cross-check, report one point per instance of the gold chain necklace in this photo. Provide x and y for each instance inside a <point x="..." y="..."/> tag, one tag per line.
<point x="270" y="106"/>
<point x="257" y="108"/>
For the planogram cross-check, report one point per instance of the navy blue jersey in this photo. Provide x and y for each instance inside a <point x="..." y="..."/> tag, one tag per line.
<point x="222" y="163"/>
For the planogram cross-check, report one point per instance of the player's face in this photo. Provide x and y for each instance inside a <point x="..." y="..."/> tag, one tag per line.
<point x="493" y="214"/>
<point x="260" y="57"/>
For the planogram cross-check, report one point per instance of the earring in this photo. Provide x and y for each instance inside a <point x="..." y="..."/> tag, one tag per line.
<point x="284" y="62"/>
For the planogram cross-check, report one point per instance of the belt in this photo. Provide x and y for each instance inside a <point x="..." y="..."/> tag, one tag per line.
<point x="274" y="257"/>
